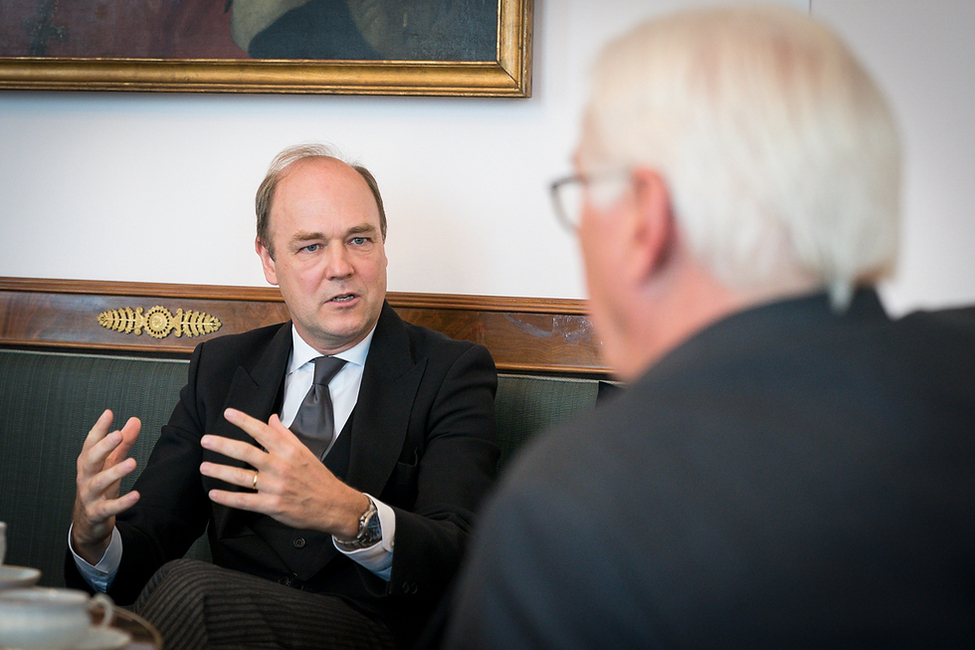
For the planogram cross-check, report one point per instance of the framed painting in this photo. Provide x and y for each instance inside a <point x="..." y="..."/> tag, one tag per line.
<point x="370" y="47"/>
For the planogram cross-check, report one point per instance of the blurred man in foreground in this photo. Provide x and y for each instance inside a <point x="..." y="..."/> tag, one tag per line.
<point x="788" y="467"/>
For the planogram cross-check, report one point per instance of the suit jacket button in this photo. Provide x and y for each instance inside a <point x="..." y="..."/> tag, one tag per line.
<point x="298" y="542"/>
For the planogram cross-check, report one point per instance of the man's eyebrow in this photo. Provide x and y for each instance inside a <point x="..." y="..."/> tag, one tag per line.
<point x="361" y="229"/>
<point x="304" y="235"/>
<point x="365" y="228"/>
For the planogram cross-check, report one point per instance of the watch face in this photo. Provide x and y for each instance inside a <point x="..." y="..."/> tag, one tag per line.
<point x="373" y="531"/>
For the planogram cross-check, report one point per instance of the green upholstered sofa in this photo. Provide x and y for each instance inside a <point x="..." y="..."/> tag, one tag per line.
<point x="60" y="368"/>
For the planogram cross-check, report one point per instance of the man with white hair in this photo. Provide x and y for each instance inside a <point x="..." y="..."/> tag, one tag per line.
<point x="787" y="467"/>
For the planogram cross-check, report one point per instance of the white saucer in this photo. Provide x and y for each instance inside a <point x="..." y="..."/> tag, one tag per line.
<point x="101" y="638"/>
<point x="18" y="576"/>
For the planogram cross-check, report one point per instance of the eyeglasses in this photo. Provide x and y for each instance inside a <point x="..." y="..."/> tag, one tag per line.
<point x="569" y="195"/>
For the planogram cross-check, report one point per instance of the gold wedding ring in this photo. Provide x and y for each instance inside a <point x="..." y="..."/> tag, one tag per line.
<point x="254" y="482"/>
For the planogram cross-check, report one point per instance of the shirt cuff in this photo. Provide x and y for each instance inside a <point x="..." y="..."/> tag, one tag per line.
<point x="377" y="558"/>
<point x="100" y="575"/>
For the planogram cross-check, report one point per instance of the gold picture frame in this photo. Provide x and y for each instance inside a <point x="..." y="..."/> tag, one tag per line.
<point x="509" y="75"/>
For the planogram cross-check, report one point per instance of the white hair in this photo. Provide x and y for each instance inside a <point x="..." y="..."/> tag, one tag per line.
<point x="781" y="154"/>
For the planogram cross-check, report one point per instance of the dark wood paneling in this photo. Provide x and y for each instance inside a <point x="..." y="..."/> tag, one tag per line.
<point x="523" y="334"/>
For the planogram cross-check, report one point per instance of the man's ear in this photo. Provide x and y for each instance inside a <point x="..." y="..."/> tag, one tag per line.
<point x="267" y="262"/>
<point x="653" y="232"/>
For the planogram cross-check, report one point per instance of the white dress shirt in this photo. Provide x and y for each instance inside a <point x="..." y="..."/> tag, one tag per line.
<point x="344" y="392"/>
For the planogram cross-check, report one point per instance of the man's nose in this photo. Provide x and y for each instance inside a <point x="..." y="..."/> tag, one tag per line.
<point x="337" y="264"/>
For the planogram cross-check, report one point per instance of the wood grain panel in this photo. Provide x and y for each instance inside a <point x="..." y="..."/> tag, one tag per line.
<point x="523" y="334"/>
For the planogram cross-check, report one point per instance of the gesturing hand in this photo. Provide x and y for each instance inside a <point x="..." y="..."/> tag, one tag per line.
<point x="102" y="464"/>
<point x="290" y="484"/>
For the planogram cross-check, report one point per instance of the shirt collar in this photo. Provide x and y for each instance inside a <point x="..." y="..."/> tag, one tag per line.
<point x="302" y="353"/>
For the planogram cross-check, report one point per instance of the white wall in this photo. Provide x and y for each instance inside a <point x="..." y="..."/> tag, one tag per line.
<point x="924" y="56"/>
<point x="159" y="187"/>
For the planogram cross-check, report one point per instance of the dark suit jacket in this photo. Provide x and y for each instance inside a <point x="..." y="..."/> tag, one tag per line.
<point x="423" y="441"/>
<point x="787" y="478"/>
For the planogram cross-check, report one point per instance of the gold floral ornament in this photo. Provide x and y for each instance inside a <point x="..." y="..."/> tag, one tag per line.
<point x="159" y="322"/>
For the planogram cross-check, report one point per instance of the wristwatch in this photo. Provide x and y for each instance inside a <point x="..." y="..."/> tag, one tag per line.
<point x="370" y="529"/>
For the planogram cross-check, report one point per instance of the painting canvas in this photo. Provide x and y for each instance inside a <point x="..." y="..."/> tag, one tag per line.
<point x="373" y="46"/>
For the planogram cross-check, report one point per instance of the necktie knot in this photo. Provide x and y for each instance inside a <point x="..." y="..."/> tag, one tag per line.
<point x="326" y="368"/>
<point x="314" y="423"/>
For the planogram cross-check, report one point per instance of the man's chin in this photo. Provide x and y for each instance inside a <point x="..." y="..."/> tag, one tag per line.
<point x="341" y="328"/>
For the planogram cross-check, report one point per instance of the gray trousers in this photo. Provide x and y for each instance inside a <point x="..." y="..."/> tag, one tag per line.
<point x="197" y="605"/>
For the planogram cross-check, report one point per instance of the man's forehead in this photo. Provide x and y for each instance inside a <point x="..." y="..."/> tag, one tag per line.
<point x="322" y="179"/>
<point x="320" y="168"/>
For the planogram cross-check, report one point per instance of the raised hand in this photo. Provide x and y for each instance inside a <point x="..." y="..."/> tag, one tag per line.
<point x="102" y="464"/>
<point x="287" y="483"/>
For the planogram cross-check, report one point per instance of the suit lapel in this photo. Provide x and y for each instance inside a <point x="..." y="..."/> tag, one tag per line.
<point x="390" y="380"/>
<point x="256" y="392"/>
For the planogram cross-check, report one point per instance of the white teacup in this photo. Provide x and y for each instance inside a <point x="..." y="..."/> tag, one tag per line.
<point x="49" y="618"/>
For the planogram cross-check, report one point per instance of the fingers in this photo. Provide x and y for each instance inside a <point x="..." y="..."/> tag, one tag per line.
<point x="104" y="510"/>
<point x="107" y="479"/>
<point x="98" y="432"/>
<point x="102" y="449"/>
<point x="256" y="457"/>
<point x="234" y="475"/>
<point x="272" y="435"/>
<point x="129" y="433"/>
<point x="265" y="434"/>
<point x="242" y="477"/>
<point x="293" y="486"/>
<point x="102" y="464"/>
<point x="236" y="449"/>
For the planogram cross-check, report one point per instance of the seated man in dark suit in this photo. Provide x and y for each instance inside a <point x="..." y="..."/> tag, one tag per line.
<point x="788" y="467"/>
<point x="341" y="531"/>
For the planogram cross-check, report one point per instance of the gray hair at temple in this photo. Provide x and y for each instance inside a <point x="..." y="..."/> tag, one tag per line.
<point x="781" y="154"/>
<point x="288" y="157"/>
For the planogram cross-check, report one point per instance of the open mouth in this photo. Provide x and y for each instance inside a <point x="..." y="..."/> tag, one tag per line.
<point x="345" y="297"/>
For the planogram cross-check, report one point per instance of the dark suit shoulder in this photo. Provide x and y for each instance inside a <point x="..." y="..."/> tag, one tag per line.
<point x="938" y="348"/>
<point x="954" y="327"/>
<point x="425" y="342"/>
<point x="426" y="338"/>
<point x="243" y="349"/>
<point x="248" y="340"/>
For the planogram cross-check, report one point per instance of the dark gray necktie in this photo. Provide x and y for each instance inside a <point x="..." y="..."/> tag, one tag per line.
<point x="314" y="424"/>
